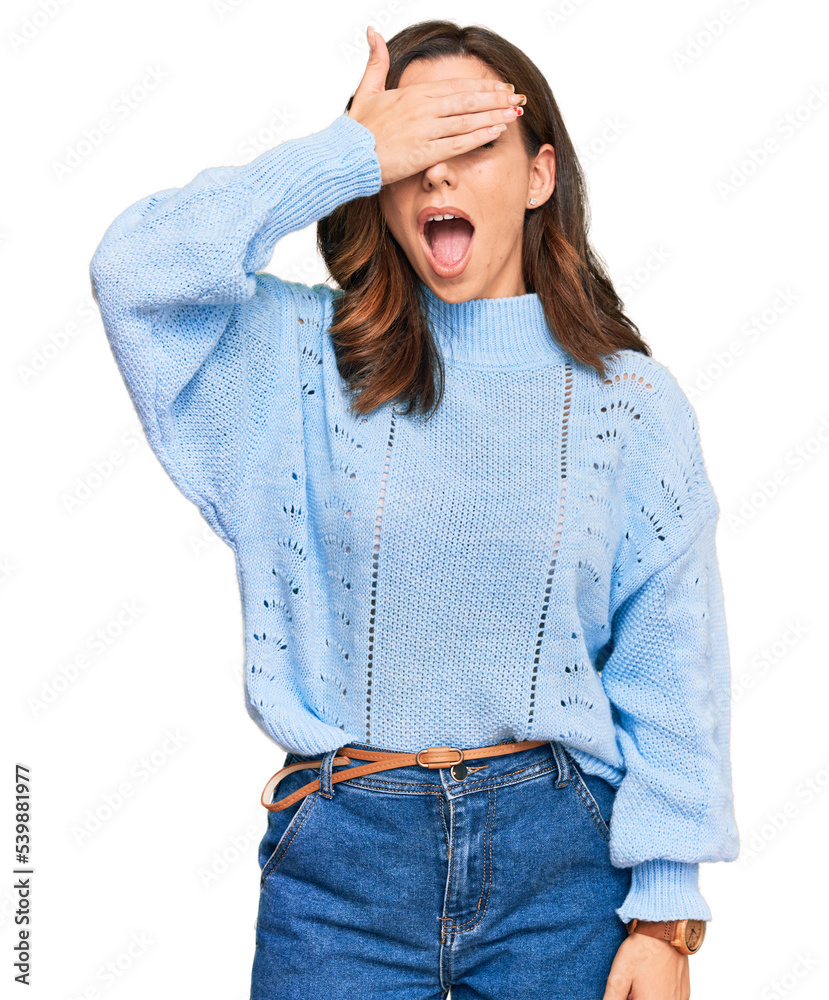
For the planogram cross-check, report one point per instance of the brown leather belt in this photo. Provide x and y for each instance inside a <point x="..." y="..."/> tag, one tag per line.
<point x="384" y="761"/>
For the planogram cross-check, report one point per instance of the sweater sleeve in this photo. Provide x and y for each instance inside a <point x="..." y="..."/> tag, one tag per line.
<point x="668" y="674"/>
<point x="190" y="322"/>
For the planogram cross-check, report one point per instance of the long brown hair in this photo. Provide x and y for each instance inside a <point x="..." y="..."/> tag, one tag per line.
<point x="384" y="347"/>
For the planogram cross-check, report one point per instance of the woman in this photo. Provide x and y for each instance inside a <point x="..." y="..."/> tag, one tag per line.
<point x="474" y="534"/>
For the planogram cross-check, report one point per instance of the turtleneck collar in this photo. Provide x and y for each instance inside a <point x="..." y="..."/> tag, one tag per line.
<point x="488" y="333"/>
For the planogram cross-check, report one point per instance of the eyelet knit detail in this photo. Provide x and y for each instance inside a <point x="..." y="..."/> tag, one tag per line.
<point x="375" y="572"/>
<point x="559" y="527"/>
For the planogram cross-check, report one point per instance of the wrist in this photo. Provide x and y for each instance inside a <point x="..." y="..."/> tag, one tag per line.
<point x="686" y="935"/>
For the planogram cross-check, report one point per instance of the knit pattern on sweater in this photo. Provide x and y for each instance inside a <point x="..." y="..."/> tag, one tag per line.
<point x="535" y="561"/>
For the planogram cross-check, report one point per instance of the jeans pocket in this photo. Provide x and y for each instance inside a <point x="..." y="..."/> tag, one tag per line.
<point x="596" y="795"/>
<point x="285" y="826"/>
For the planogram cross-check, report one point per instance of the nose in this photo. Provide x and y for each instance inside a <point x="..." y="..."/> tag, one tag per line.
<point x="439" y="173"/>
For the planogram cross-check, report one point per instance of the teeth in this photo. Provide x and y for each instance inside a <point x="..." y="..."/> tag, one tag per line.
<point x="438" y="218"/>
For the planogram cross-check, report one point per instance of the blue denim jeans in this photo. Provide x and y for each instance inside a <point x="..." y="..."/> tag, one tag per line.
<point x="409" y="882"/>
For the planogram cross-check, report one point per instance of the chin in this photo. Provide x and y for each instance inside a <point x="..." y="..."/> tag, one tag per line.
<point x="454" y="289"/>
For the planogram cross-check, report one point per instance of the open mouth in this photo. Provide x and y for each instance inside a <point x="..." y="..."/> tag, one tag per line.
<point x="447" y="238"/>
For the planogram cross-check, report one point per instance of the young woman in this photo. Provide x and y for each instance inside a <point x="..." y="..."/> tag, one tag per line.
<point x="474" y="534"/>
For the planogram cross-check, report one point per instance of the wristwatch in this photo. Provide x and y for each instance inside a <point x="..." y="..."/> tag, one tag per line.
<point x="685" y="935"/>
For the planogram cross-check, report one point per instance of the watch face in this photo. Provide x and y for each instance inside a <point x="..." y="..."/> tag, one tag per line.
<point x="694" y="933"/>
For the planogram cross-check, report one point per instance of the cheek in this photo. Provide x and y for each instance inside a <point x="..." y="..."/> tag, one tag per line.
<point x="499" y="198"/>
<point x="502" y="228"/>
<point x="396" y="208"/>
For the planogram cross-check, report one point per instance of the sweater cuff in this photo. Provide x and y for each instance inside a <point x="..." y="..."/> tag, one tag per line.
<point x="664" y="890"/>
<point x="309" y="177"/>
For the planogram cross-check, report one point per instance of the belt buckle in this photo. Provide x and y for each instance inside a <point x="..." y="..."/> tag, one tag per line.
<point x="442" y="763"/>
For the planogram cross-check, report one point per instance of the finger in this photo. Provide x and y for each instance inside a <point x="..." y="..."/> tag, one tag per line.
<point x="456" y="145"/>
<point x="619" y="984"/>
<point x="475" y="101"/>
<point x="377" y="68"/>
<point x="462" y="124"/>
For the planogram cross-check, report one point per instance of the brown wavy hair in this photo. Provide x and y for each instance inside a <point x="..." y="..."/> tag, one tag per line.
<point x="382" y="341"/>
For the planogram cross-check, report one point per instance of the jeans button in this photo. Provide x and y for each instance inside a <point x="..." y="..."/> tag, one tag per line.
<point x="459" y="771"/>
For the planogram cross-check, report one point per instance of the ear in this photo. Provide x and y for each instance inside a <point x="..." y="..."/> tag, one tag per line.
<point x="542" y="180"/>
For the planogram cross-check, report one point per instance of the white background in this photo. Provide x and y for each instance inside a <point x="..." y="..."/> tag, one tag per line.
<point x="666" y="103"/>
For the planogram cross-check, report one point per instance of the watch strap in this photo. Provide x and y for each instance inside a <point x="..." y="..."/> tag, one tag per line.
<point x="672" y="931"/>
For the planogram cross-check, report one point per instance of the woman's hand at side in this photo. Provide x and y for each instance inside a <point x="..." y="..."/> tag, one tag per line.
<point x="421" y="124"/>
<point x="645" y="968"/>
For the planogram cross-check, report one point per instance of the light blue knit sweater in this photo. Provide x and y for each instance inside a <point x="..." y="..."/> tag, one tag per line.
<point x="537" y="561"/>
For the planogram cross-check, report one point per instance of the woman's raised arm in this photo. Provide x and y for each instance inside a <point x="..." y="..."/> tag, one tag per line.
<point x="201" y="339"/>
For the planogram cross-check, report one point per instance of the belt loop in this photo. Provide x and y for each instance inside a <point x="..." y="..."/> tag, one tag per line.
<point x="326" y="769"/>
<point x="562" y="763"/>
